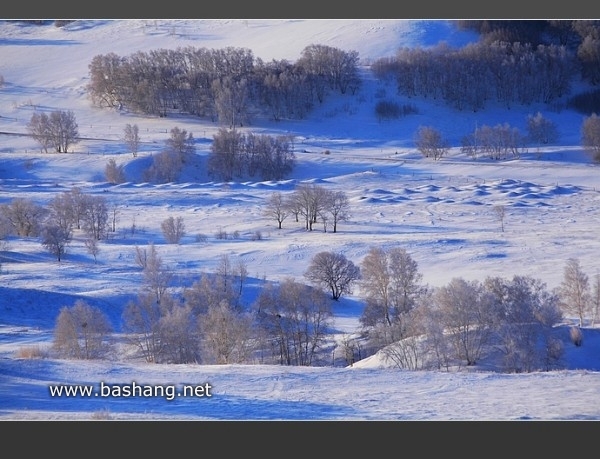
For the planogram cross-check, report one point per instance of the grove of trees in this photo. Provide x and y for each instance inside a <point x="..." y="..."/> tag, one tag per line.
<point x="226" y="85"/>
<point x="413" y="325"/>
<point x="57" y="130"/>
<point x="235" y="154"/>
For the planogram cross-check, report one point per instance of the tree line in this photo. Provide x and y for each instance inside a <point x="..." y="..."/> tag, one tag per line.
<point x="514" y="62"/>
<point x="228" y="85"/>
<point x="468" y="78"/>
<point x="414" y="326"/>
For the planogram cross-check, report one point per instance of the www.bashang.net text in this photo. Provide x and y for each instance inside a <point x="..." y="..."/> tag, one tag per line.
<point x="168" y="392"/>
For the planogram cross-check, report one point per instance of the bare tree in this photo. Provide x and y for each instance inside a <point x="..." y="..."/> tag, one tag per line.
<point x="114" y="173"/>
<point x="338" y="207"/>
<point x="226" y="334"/>
<point x="55" y="238"/>
<point x="157" y="277"/>
<point x="40" y="130"/>
<point x="64" y="129"/>
<point x="58" y="130"/>
<point x="131" y="137"/>
<point x="24" y="216"/>
<point x="467" y="317"/>
<point x="82" y="332"/>
<point x="180" y="341"/>
<point x="541" y="130"/>
<point x="276" y="208"/>
<point x="114" y="213"/>
<point x="334" y="272"/>
<point x="95" y="217"/>
<point x="241" y="271"/>
<point x="91" y="244"/>
<point x="574" y="291"/>
<point x="141" y="324"/>
<point x="173" y="229"/>
<point x="430" y="143"/>
<point x="391" y="284"/>
<point x="294" y="317"/>
<point x="61" y="211"/>
<point x="590" y="135"/>
<point x="77" y="201"/>
<point x="500" y="211"/>
<point x="181" y="143"/>
<point x="308" y="200"/>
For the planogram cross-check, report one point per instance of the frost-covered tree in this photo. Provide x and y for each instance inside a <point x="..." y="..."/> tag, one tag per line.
<point x="58" y="130"/>
<point x="391" y="285"/>
<point x="541" y="130"/>
<point x="590" y="135"/>
<point x="574" y="291"/>
<point x="82" y="332"/>
<point x="114" y="173"/>
<point x="55" y="238"/>
<point x="131" y="137"/>
<point x="173" y="229"/>
<point x="24" y="216"/>
<point x="430" y="143"/>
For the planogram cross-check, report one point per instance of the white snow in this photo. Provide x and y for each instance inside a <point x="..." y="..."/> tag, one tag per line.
<point x="441" y="212"/>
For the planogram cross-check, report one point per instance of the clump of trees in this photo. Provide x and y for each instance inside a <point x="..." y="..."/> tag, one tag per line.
<point x="57" y="130"/>
<point x="314" y="203"/>
<point x="418" y="327"/>
<point x="467" y="78"/>
<point x="205" y="325"/>
<point x="430" y="143"/>
<point x="114" y="173"/>
<point x="225" y="85"/>
<point x="294" y="319"/>
<point x="496" y="142"/>
<point x="168" y="163"/>
<point x="541" y="130"/>
<point x="82" y="332"/>
<point x="391" y="286"/>
<point x="388" y="109"/>
<point x="173" y="229"/>
<point x="413" y="325"/>
<point x="54" y="224"/>
<point x="236" y="155"/>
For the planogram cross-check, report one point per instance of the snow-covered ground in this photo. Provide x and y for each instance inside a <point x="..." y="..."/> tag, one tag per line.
<point x="441" y="212"/>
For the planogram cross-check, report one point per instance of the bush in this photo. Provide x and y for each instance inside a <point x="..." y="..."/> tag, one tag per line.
<point x="114" y="173"/>
<point x="81" y="332"/>
<point x="385" y="109"/>
<point x="221" y="234"/>
<point x="201" y="238"/>
<point x="576" y="336"/>
<point x="173" y="229"/>
<point x="34" y="351"/>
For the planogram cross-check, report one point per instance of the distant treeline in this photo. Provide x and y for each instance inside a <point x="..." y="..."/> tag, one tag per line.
<point x="227" y="85"/>
<point x="515" y="62"/>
